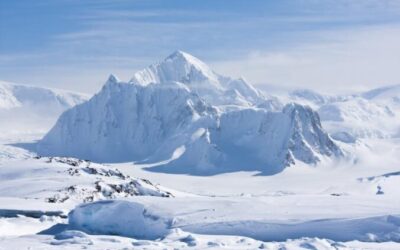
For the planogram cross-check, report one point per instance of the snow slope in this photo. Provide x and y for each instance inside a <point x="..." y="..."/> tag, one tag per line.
<point x="70" y="181"/>
<point x="372" y="114"/>
<point x="191" y="120"/>
<point x="391" y="93"/>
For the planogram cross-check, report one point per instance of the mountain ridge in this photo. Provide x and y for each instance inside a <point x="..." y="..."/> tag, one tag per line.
<point x="187" y="129"/>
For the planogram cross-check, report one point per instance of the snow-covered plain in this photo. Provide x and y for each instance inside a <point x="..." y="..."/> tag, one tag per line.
<point x="347" y="202"/>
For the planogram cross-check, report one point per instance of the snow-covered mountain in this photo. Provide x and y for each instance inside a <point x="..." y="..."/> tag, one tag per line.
<point x="199" y="79"/>
<point x="18" y="95"/>
<point x="387" y="93"/>
<point x="188" y="119"/>
<point x="372" y="114"/>
<point x="36" y="106"/>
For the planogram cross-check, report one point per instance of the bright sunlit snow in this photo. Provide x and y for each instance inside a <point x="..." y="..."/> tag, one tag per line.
<point x="259" y="170"/>
<point x="301" y="153"/>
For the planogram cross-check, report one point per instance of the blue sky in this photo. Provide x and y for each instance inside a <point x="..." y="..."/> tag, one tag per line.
<point x="330" y="45"/>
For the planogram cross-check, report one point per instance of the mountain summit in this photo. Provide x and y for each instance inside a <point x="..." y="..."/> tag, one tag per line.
<point x="185" y="118"/>
<point x="178" y="67"/>
<point x="200" y="79"/>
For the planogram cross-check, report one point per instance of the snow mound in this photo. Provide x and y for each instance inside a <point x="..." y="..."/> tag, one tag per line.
<point x="71" y="237"/>
<point x="132" y="220"/>
<point x="184" y="116"/>
<point x="144" y="221"/>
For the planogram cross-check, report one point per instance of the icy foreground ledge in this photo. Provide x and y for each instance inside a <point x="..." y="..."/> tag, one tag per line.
<point x="144" y="220"/>
<point x="120" y="218"/>
<point x="178" y="240"/>
<point x="182" y="115"/>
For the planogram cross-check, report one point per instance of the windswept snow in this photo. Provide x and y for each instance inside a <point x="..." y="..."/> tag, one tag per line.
<point x="120" y="218"/>
<point x="152" y="218"/>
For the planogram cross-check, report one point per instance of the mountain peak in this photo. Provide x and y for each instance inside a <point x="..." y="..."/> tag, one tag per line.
<point x="181" y="67"/>
<point x="177" y="67"/>
<point x="187" y="58"/>
<point x="113" y="79"/>
<point x="179" y="53"/>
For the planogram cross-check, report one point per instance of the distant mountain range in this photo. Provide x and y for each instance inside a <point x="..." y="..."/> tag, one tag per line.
<point x="371" y="114"/>
<point x="39" y="107"/>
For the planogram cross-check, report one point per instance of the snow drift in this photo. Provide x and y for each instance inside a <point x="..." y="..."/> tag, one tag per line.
<point x="192" y="120"/>
<point x="133" y="220"/>
<point x="149" y="221"/>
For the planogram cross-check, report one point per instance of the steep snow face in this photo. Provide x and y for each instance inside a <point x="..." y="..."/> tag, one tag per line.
<point x="307" y="135"/>
<point x="256" y="140"/>
<point x="200" y="79"/>
<point x="178" y="67"/>
<point x="163" y="118"/>
<point x="125" y="122"/>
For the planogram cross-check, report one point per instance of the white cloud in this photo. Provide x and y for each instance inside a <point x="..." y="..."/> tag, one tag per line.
<point x="342" y="60"/>
<point x="285" y="46"/>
